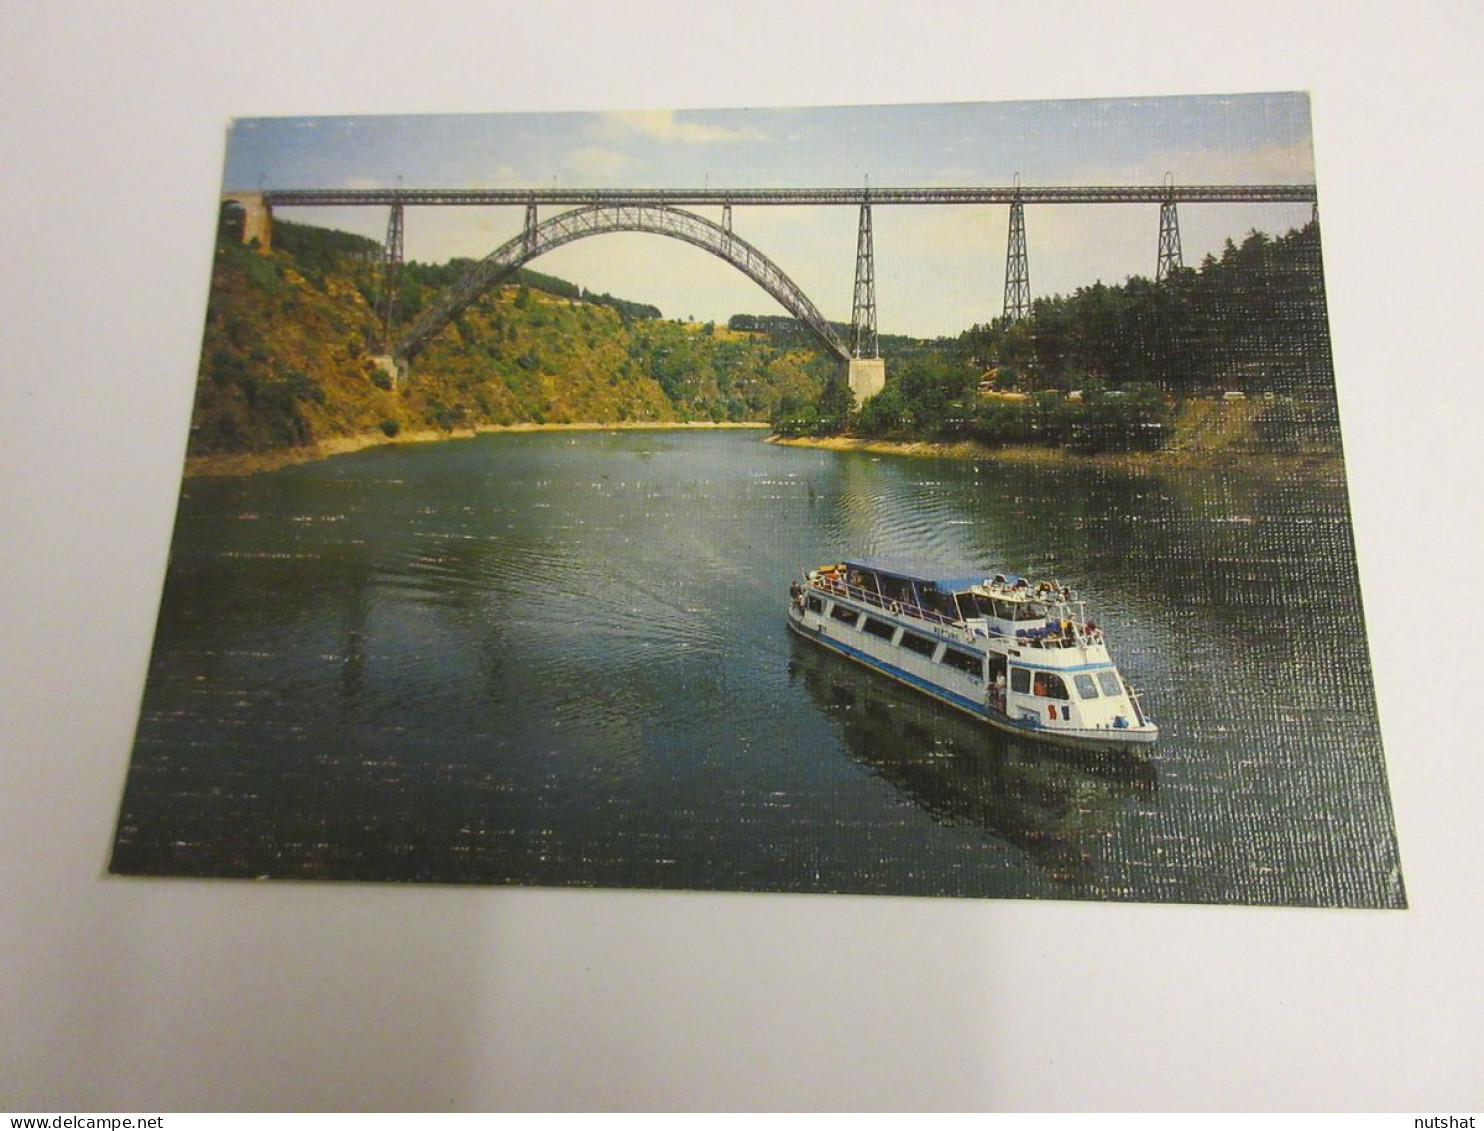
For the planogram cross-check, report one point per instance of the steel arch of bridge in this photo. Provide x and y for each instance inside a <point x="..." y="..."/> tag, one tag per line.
<point x="602" y="219"/>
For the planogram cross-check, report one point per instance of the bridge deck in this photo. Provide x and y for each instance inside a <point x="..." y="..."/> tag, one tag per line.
<point x="1091" y="194"/>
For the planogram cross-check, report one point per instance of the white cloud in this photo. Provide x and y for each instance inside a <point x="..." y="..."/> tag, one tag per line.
<point x="596" y="163"/>
<point x="663" y="124"/>
<point x="506" y="176"/>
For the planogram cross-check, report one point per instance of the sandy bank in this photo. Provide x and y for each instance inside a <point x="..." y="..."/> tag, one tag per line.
<point x="246" y="463"/>
<point x="1313" y="466"/>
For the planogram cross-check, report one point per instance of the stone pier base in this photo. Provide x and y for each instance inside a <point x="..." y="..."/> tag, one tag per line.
<point x="257" y="218"/>
<point x="867" y="377"/>
<point x="393" y="367"/>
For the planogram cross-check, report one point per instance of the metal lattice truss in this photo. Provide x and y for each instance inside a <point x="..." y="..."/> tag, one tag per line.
<point x="1017" y="267"/>
<point x="1170" y="259"/>
<point x="391" y="272"/>
<point x="601" y="219"/>
<point x="863" y="309"/>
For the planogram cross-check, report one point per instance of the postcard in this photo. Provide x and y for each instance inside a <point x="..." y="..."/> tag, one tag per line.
<point x="940" y="500"/>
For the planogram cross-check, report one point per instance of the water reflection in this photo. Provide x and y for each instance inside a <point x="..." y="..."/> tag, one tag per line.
<point x="1056" y="805"/>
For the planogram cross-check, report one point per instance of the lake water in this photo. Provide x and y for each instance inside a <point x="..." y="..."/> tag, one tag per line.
<point x="561" y="659"/>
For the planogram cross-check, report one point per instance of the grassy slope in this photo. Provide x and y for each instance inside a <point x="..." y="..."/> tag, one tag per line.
<point x="1211" y="426"/>
<point x="285" y="364"/>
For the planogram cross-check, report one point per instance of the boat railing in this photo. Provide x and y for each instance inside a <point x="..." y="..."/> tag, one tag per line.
<point x="1136" y="698"/>
<point x="1049" y="638"/>
<point x="1042" y="637"/>
<point x="843" y="588"/>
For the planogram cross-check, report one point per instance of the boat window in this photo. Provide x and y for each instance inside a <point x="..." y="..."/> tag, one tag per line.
<point x="895" y="589"/>
<point x="1086" y="688"/>
<point x="922" y="645"/>
<point x="1020" y="680"/>
<point x="1049" y="685"/>
<point x="1031" y="610"/>
<point x="814" y="604"/>
<point x="976" y="604"/>
<point x="844" y="613"/>
<point x="880" y="628"/>
<point x="963" y="661"/>
<point x="1109" y="681"/>
<point x="939" y="603"/>
<point x="988" y="607"/>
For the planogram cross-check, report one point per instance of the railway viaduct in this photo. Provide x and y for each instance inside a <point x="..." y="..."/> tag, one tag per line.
<point x="668" y="212"/>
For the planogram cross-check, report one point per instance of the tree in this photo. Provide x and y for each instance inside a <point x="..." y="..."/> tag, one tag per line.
<point x="836" y="402"/>
<point x="885" y="413"/>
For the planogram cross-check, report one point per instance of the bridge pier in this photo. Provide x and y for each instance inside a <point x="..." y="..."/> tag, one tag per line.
<point x="396" y="368"/>
<point x="863" y="306"/>
<point x="257" y="218"/>
<point x="1017" y="266"/>
<point x="528" y="233"/>
<point x="391" y="272"/>
<point x="867" y="378"/>
<point x="1170" y="259"/>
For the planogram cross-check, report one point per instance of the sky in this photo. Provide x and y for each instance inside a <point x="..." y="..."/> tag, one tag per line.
<point x="939" y="268"/>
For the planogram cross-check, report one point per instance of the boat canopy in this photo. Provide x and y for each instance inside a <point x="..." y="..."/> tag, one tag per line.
<point x="948" y="578"/>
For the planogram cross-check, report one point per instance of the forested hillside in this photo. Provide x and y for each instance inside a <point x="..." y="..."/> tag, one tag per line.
<point x="1252" y="320"/>
<point x="1110" y="368"/>
<point x="289" y="338"/>
<point x="287" y="358"/>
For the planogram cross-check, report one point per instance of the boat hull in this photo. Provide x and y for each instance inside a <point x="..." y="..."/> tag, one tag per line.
<point x="1025" y="727"/>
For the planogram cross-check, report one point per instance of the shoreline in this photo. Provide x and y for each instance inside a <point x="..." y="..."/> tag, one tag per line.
<point x="1321" y="466"/>
<point x="229" y="464"/>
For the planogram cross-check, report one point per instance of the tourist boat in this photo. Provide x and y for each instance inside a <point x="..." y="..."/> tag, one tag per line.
<point x="1019" y="655"/>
